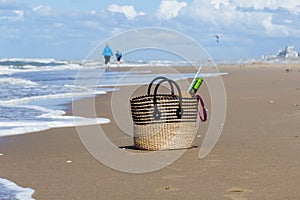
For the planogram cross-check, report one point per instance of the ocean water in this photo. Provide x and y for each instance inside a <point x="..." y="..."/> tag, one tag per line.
<point x="34" y="92"/>
<point x="11" y="191"/>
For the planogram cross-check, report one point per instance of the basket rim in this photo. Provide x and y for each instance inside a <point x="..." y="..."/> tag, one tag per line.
<point x="161" y="96"/>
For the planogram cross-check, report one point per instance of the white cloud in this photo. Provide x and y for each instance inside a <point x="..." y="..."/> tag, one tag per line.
<point x="275" y="29"/>
<point x="248" y="17"/>
<point x="201" y="11"/>
<point x="9" y="4"/>
<point x="257" y="5"/>
<point x="218" y="3"/>
<point x="43" y="10"/>
<point x="242" y="24"/>
<point x="169" y="9"/>
<point x="19" y="12"/>
<point x="11" y="15"/>
<point x="292" y="6"/>
<point x="128" y="11"/>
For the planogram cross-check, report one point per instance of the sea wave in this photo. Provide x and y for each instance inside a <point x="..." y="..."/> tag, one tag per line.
<point x="17" y="81"/>
<point x="45" y="97"/>
<point x="11" y="66"/>
<point x="39" y="118"/>
<point x="11" y="191"/>
<point x="17" y="65"/>
<point x="49" y="84"/>
<point x="35" y="61"/>
<point x="22" y="127"/>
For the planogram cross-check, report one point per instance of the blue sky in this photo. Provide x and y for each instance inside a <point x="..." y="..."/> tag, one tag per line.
<point x="70" y="29"/>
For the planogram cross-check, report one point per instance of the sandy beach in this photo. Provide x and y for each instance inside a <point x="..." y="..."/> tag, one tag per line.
<point x="256" y="157"/>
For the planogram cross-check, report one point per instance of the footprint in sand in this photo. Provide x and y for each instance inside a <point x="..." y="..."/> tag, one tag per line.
<point x="236" y="193"/>
<point x="169" y="188"/>
<point x="172" y="176"/>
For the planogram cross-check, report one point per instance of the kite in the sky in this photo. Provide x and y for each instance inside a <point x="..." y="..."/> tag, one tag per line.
<point x="217" y="38"/>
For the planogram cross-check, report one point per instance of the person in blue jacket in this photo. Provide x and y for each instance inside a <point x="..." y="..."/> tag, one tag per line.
<point x="118" y="56"/>
<point x="107" y="53"/>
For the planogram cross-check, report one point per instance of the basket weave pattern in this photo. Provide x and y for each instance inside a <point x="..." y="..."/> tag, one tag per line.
<point x="164" y="136"/>
<point x="168" y="131"/>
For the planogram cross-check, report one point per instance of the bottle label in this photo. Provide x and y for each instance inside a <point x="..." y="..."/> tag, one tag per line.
<point x="196" y="86"/>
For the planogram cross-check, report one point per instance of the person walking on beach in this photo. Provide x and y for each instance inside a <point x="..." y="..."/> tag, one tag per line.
<point x="107" y="53"/>
<point x="118" y="56"/>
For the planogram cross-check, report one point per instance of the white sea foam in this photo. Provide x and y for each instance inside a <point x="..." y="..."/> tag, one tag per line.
<point x="131" y="79"/>
<point x="44" y="97"/>
<point x="40" y="60"/>
<point x="7" y="70"/>
<point x="29" y="101"/>
<point x="10" y="190"/>
<point x="17" y="81"/>
<point x="15" y="65"/>
<point x="22" y="127"/>
<point x="49" y="119"/>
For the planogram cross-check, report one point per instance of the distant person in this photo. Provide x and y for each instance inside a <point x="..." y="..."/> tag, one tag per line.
<point x="118" y="56"/>
<point x="107" y="53"/>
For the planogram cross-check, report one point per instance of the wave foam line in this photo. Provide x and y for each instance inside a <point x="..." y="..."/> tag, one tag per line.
<point x="11" y="190"/>
<point x="17" y="81"/>
<point x="22" y="127"/>
<point x="54" y="96"/>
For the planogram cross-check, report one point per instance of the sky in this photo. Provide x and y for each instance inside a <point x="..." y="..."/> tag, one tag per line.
<point x="70" y="29"/>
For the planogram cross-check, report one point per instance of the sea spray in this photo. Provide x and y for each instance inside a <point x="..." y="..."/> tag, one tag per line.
<point x="34" y="92"/>
<point x="11" y="191"/>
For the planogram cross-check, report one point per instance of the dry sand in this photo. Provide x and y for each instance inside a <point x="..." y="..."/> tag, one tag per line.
<point x="256" y="157"/>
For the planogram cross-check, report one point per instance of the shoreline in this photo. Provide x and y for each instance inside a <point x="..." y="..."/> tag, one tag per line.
<point x="256" y="156"/>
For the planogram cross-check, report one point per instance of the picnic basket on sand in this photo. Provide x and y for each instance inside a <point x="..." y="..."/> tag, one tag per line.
<point x="164" y="121"/>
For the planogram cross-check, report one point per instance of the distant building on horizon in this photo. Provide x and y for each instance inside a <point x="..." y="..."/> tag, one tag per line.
<point x="287" y="53"/>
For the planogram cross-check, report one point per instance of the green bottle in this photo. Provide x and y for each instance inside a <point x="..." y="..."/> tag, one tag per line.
<point x="196" y="85"/>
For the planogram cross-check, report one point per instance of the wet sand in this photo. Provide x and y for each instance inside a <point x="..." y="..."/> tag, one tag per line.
<point x="256" y="157"/>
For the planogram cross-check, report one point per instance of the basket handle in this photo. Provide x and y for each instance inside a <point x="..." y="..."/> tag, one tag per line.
<point x="204" y="118"/>
<point x="179" y="111"/>
<point x="163" y="79"/>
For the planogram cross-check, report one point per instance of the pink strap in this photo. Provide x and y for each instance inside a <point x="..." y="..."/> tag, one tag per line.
<point x="204" y="118"/>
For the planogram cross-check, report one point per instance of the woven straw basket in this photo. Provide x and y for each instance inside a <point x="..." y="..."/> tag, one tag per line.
<point x="164" y="121"/>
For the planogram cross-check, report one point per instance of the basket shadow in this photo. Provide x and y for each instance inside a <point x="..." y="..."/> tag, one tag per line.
<point x="132" y="147"/>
